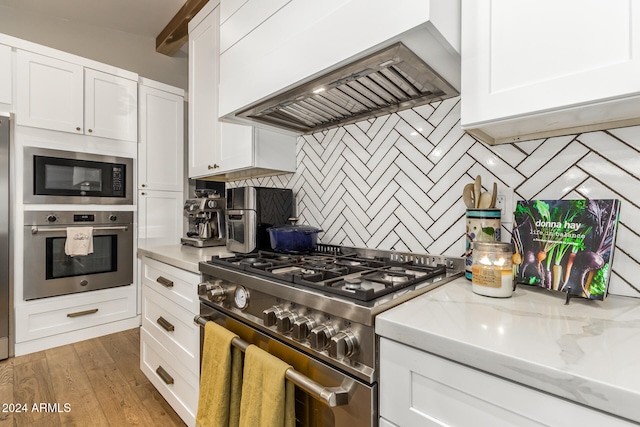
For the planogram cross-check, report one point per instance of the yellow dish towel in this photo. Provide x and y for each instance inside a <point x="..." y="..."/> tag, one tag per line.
<point x="267" y="397"/>
<point x="220" y="379"/>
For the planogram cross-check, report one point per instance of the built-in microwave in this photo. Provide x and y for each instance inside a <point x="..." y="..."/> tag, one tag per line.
<point x="56" y="176"/>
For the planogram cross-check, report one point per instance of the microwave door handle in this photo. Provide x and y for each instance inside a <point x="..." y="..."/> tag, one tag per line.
<point x="36" y="230"/>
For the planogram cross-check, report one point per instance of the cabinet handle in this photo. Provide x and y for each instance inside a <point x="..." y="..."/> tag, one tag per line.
<point x="78" y="129"/>
<point x="143" y="185"/>
<point x="168" y="379"/>
<point x="164" y="282"/>
<point x="90" y="130"/>
<point x="165" y="324"/>
<point x="82" y="313"/>
<point x="215" y="166"/>
<point x="143" y="194"/>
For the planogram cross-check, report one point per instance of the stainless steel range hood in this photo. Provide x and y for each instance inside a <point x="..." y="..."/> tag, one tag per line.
<point x="387" y="81"/>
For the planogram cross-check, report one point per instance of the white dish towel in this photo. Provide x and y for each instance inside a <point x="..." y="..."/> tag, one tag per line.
<point x="79" y="241"/>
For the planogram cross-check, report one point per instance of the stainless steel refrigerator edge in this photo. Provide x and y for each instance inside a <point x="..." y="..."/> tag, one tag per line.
<point x="5" y="212"/>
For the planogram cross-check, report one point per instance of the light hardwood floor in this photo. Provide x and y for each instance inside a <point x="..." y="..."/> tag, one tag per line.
<point x="97" y="382"/>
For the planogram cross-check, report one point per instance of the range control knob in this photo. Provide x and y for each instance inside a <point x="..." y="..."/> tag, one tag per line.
<point x="320" y="335"/>
<point x="269" y="316"/>
<point x="302" y="327"/>
<point x="284" y="321"/>
<point x="112" y="217"/>
<point x="52" y="218"/>
<point x="214" y="291"/>
<point x="343" y="344"/>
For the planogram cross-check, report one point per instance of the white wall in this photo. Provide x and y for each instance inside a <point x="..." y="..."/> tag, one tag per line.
<point x="117" y="48"/>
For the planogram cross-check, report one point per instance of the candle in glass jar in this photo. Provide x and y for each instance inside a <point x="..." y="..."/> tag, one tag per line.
<point x="491" y="269"/>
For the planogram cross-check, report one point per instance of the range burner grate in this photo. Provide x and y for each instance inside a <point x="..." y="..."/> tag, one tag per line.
<point x="351" y="276"/>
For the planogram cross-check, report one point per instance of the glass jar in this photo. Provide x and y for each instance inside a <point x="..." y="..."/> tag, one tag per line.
<point x="492" y="272"/>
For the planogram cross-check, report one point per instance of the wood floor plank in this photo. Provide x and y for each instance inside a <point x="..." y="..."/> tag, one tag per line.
<point x="92" y="354"/>
<point x="32" y="386"/>
<point x="119" y="402"/>
<point x="6" y="392"/>
<point x="122" y="349"/>
<point x="159" y="410"/>
<point x="100" y="378"/>
<point x="73" y="388"/>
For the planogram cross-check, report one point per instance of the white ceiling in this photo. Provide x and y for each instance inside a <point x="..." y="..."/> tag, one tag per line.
<point x="142" y="17"/>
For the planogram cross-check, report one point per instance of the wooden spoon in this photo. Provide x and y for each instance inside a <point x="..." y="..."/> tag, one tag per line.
<point x="485" y="200"/>
<point x="467" y="196"/>
<point x="477" y="188"/>
<point x="494" y="195"/>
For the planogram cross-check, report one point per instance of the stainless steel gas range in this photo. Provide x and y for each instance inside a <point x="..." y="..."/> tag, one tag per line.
<point x="317" y="312"/>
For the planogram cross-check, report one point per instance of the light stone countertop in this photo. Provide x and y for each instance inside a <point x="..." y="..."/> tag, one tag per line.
<point x="183" y="256"/>
<point x="587" y="351"/>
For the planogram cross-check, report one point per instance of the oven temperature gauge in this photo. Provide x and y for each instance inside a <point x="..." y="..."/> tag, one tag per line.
<point x="241" y="297"/>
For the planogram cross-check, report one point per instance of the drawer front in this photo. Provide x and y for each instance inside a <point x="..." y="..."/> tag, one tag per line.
<point x="51" y="316"/>
<point x="180" y="286"/>
<point x="177" y="384"/>
<point x="172" y="325"/>
<point x="418" y="388"/>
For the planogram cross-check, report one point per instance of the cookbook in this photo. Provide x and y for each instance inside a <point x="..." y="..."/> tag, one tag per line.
<point x="565" y="245"/>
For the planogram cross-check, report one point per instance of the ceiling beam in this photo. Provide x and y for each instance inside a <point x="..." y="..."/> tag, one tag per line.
<point x="176" y="33"/>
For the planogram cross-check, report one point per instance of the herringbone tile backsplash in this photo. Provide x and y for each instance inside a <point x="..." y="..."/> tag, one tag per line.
<point x="396" y="182"/>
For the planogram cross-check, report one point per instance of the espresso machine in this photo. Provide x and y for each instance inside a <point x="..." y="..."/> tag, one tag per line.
<point x="206" y="220"/>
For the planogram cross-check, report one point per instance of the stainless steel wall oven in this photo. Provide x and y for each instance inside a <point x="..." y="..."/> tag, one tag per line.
<point x="49" y="271"/>
<point x="55" y="176"/>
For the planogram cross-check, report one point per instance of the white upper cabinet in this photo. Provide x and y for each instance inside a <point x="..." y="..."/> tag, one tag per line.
<point x="5" y="74"/>
<point x="248" y="151"/>
<point x="544" y="68"/>
<point x="110" y="104"/>
<point x="223" y="151"/>
<point x="161" y="149"/>
<point x="50" y="93"/>
<point x="59" y="95"/>
<point x="204" y="131"/>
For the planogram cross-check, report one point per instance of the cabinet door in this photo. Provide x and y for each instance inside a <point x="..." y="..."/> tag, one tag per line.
<point x="159" y="218"/>
<point x="111" y="106"/>
<point x="243" y="147"/>
<point x="204" y="131"/>
<point x="5" y="74"/>
<point x="49" y="93"/>
<point x="535" y="57"/>
<point x="161" y="149"/>
<point x="236" y="147"/>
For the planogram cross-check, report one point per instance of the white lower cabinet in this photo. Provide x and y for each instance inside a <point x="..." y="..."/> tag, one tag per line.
<point x="421" y="389"/>
<point x="169" y="339"/>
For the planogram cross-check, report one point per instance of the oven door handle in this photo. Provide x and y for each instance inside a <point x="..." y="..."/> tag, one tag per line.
<point x="36" y="230"/>
<point x="331" y="396"/>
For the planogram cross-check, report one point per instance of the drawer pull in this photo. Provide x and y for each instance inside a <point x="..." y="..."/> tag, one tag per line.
<point x="168" y="379"/>
<point x="164" y="282"/>
<point x="82" y="313"/>
<point x="165" y="324"/>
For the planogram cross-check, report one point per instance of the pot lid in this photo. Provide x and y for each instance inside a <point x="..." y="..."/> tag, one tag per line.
<point x="301" y="228"/>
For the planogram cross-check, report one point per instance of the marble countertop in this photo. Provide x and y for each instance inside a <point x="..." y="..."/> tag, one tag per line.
<point x="587" y="351"/>
<point x="183" y="256"/>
